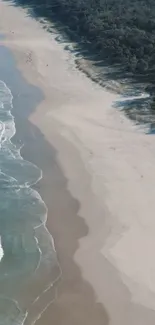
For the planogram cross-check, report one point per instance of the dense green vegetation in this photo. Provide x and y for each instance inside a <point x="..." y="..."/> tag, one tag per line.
<point x="120" y="31"/>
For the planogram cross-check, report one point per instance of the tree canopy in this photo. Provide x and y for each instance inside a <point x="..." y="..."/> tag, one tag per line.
<point x="120" y="31"/>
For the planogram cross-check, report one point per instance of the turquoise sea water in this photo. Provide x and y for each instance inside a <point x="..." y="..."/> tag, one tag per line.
<point x="27" y="254"/>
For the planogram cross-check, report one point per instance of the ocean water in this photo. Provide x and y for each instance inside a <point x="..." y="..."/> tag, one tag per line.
<point x="27" y="256"/>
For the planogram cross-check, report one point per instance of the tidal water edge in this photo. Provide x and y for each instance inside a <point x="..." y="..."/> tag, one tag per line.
<point x="27" y="253"/>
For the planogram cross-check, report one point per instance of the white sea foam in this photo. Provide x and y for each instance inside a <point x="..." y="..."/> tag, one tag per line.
<point x="1" y="250"/>
<point x="7" y="131"/>
<point x="130" y="98"/>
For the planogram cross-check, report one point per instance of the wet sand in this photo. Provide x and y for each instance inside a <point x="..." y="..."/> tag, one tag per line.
<point x="97" y="184"/>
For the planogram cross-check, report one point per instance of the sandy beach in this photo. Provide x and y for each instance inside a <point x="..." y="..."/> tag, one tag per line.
<point x="98" y="184"/>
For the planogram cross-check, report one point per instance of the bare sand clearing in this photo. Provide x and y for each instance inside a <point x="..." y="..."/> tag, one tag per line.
<point x="110" y="168"/>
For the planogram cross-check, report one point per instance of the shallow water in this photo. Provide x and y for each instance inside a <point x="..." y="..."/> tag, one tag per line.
<point x="27" y="254"/>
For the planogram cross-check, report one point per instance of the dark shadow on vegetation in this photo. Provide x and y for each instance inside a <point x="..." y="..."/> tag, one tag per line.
<point x="141" y="111"/>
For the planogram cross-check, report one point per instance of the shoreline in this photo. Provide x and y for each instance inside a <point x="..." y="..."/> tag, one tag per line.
<point x="39" y="281"/>
<point x="89" y="185"/>
<point x="85" y="302"/>
<point x="91" y="310"/>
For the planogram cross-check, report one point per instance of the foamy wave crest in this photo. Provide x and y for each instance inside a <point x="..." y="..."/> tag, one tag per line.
<point x="1" y="250"/>
<point x="26" y="247"/>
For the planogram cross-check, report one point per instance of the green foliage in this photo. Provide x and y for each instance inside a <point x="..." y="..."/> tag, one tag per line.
<point x="122" y="31"/>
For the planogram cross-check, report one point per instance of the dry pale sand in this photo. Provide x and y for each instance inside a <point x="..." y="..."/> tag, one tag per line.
<point x="110" y="168"/>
